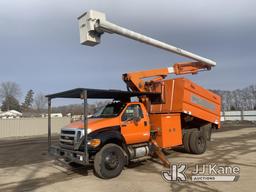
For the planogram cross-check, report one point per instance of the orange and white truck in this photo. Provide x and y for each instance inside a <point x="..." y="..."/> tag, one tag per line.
<point x="167" y="113"/>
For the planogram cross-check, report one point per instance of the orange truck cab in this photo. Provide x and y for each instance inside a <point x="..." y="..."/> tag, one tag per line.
<point x="117" y="122"/>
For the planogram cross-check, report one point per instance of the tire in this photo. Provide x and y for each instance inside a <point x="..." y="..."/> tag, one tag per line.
<point x="109" y="161"/>
<point x="197" y="142"/>
<point x="209" y="134"/>
<point x="207" y="131"/>
<point x="186" y="142"/>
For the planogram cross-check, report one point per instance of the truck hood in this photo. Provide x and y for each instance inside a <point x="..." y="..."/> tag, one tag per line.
<point x="95" y="123"/>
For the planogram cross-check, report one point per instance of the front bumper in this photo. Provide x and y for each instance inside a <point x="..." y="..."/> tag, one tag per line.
<point x="73" y="156"/>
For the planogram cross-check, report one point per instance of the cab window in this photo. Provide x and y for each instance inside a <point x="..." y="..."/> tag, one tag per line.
<point x="130" y="112"/>
<point x="110" y="110"/>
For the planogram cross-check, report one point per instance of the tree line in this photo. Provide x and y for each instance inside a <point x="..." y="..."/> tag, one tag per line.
<point x="239" y="99"/>
<point x="10" y="93"/>
<point x="78" y="109"/>
<point x="36" y="104"/>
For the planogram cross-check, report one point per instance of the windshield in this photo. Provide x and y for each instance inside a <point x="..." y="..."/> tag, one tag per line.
<point x="110" y="110"/>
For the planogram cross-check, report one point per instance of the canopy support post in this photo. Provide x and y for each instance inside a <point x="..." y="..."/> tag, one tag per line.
<point x="49" y="124"/>
<point x="86" y="159"/>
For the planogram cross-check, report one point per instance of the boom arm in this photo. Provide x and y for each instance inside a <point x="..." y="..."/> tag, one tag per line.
<point x="135" y="80"/>
<point x="93" y="24"/>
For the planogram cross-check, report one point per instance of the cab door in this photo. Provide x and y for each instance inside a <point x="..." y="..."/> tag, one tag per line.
<point x="135" y="124"/>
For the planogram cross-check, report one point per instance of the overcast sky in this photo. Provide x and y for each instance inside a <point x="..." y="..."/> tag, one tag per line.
<point x="40" y="50"/>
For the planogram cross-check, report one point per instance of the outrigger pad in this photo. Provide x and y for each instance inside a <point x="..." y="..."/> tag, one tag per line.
<point x="158" y="152"/>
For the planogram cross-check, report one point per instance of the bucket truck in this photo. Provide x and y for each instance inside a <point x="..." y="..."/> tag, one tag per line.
<point x="169" y="113"/>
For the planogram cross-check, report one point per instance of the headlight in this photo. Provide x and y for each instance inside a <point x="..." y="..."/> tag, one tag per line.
<point x="94" y="143"/>
<point x="89" y="131"/>
<point x="80" y="133"/>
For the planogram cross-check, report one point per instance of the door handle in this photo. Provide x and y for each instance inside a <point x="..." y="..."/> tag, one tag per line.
<point x="145" y="123"/>
<point x="123" y="125"/>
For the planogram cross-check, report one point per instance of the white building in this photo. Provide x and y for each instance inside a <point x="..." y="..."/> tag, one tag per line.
<point x="53" y="115"/>
<point x="10" y="114"/>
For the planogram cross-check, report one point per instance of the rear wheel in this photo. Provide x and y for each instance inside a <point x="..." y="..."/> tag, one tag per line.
<point x="207" y="131"/>
<point x="186" y="141"/>
<point x="197" y="142"/>
<point x="109" y="161"/>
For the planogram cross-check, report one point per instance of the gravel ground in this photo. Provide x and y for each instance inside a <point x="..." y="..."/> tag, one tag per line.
<point x="25" y="166"/>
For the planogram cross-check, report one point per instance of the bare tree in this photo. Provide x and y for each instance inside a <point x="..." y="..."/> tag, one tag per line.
<point x="239" y="99"/>
<point x="9" y="90"/>
<point x="40" y="102"/>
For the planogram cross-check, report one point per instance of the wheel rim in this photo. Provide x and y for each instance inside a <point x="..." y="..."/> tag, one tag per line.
<point x="200" y="142"/>
<point x="111" y="161"/>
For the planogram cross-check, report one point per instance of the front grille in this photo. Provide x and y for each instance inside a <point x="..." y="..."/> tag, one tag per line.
<point x="69" y="137"/>
<point x="67" y="132"/>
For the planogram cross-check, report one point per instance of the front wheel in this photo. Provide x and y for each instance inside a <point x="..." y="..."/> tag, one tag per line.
<point x="109" y="161"/>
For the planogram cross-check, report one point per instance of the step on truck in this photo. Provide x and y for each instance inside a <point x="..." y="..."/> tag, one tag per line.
<point x="156" y="113"/>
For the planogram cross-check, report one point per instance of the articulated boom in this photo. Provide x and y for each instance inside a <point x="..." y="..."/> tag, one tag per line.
<point x="135" y="82"/>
